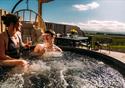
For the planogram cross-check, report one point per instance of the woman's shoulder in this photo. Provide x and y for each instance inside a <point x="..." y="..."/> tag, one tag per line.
<point x="4" y="39"/>
<point x="18" y="33"/>
<point x="3" y="35"/>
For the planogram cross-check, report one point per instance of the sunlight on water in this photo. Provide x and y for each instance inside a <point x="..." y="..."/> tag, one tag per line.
<point x="68" y="71"/>
<point x="52" y="54"/>
<point x="38" y="67"/>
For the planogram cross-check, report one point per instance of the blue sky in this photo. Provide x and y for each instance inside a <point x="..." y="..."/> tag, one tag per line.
<point x="90" y="15"/>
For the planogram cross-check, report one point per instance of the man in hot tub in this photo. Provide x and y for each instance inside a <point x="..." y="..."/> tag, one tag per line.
<point x="48" y="48"/>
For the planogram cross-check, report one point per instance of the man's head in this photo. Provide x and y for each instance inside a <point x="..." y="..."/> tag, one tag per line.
<point x="48" y="36"/>
<point x="51" y="32"/>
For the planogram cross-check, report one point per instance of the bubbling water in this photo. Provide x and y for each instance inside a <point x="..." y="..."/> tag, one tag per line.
<point x="68" y="71"/>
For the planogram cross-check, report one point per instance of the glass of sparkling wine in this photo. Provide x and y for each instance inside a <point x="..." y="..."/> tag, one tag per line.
<point x="29" y="41"/>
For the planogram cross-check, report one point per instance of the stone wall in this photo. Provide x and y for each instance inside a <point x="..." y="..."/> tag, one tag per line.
<point x="63" y="29"/>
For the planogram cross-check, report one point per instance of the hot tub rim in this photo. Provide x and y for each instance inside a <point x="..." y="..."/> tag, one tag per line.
<point x="113" y="62"/>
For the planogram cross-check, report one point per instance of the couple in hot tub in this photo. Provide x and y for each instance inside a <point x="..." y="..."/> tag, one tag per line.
<point x="11" y="42"/>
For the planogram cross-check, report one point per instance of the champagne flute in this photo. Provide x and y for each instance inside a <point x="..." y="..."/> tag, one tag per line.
<point x="29" y="41"/>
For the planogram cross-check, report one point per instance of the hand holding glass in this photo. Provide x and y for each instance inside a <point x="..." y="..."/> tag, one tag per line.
<point x="29" y="41"/>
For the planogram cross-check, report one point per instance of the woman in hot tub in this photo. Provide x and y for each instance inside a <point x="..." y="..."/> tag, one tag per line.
<point x="48" y="48"/>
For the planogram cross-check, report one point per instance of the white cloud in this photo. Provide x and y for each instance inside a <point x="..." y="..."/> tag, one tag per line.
<point x="93" y="5"/>
<point x="83" y="7"/>
<point x="101" y="26"/>
<point x="65" y="23"/>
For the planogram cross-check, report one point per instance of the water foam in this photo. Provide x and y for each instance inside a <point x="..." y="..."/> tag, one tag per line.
<point x="69" y="71"/>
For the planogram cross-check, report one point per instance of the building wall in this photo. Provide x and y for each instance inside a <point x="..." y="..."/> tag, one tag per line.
<point x="63" y="28"/>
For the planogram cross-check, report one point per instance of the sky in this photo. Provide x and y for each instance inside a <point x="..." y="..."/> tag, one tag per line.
<point x="89" y="15"/>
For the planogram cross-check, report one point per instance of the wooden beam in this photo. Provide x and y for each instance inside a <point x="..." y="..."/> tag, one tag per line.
<point x="45" y="1"/>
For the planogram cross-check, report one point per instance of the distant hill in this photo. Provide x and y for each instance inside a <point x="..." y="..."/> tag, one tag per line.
<point x="104" y="33"/>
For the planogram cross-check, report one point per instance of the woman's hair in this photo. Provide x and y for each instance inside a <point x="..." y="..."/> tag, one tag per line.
<point x="51" y="32"/>
<point x="9" y="18"/>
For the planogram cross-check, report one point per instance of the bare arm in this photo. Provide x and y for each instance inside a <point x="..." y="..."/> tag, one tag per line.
<point x="25" y="45"/>
<point x="20" y="38"/>
<point x="3" y="48"/>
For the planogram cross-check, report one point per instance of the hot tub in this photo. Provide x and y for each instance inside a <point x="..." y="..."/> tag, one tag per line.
<point x="77" y="68"/>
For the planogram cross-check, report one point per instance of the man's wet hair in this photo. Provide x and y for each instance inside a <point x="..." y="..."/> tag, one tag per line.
<point x="51" y="32"/>
<point x="9" y="18"/>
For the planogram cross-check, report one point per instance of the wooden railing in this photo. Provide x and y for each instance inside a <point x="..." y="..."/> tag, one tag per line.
<point x="31" y="16"/>
<point x="2" y="26"/>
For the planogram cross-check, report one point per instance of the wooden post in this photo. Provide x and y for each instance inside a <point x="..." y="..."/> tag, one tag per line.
<point x="40" y="13"/>
<point x="2" y="26"/>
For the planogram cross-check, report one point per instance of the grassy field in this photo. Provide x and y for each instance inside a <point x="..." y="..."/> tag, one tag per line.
<point x="113" y="42"/>
<point x="120" y="48"/>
